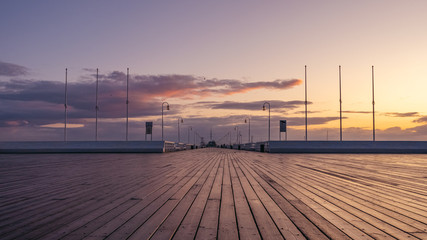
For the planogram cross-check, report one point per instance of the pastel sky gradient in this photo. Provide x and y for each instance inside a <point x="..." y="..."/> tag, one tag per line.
<point x="215" y="62"/>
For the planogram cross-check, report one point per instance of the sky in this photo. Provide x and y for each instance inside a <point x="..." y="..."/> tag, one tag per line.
<point x="215" y="63"/>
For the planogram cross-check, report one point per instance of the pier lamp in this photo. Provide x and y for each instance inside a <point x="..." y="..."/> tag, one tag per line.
<point x="248" y="120"/>
<point x="179" y="132"/>
<point x="236" y="128"/>
<point x="263" y="108"/>
<point x="190" y="128"/>
<point x="167" y="108"/>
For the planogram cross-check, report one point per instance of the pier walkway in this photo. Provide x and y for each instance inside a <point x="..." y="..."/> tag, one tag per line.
<point x="213" y="194"/>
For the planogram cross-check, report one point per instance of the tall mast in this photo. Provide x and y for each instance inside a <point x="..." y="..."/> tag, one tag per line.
<point x="373" y="105"/>
<point x="96" y="108"/>
<point x="305" y="77"/>
<point x="127" y="104"/>
<point x="340" y="105"/>
<point x="65" y="105"/>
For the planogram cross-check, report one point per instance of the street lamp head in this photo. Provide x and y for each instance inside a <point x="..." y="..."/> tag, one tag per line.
<point x="263" y="107"/>
<point x="182" y="120"/>
<point x="167" y="107"/>
<point x="246" y="121"/>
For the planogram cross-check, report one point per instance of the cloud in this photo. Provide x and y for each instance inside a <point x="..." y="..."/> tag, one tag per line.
<point x="309" y="112"/>
<point x="41" y="102"/>
<point x="406" y="114"/>
<point x="12" y="70"/>
<point x="252" y="106"/>
<point x="359" y="112"/>
<point x="421" y="119"/>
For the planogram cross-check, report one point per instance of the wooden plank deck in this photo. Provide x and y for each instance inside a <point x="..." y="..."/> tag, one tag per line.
<point x="213" y="194"/>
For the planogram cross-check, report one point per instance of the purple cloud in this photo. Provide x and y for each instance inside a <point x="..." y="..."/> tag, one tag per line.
<point x="253" y="106"/>
<point x="405" y="114"/>
<point x="12" y="70"/>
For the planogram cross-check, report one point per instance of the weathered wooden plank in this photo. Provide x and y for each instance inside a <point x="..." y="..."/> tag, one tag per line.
<point x="266" y="225"/>
<point x="333" y="214"/>
<point x="190" y="224"/>
<point x="245" y="220"/>
<point x="383" y="226"/>
<point x="208" y="227"/>
<point x="311" y="224"/>
<point x="165" y="202"/>
<point x="169" y="225"/>
<point x="227" y="217"/>
<point x="285" y="225"/>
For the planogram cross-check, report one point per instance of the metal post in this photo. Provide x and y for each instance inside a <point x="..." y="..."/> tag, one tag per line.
<point x="263" y="108"/>
<point x="373" y="105"/>
<point x="340" y="104"/>
<point x="237" y="134"/>
<point x="305" y="77"/>
<point x="179" y="132"/>
<point x="248" y="119"/>
<point x="249" y="130"/>
<point x="96" y="108"/>
<point x="162" y="122"/>
<point x="167" y="108"/>
<point x="188" y="137"/>
<point x="127" y="104"/>
<point x="65" y="106"/>
<point x="269" y="130"/>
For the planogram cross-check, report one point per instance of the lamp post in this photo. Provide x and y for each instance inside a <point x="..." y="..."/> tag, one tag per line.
<point x="248" y="120"/>
<point x="179" y="132"/>
<point x="236" y="128"/>
<point x="188" y="137"/>
<point x="167" y="108"/>
<point x="263" y="108"/>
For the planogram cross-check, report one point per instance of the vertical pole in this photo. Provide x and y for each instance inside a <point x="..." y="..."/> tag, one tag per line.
<point x="373" y="105"/>
<point x="269" y="107"/>
<point x="340" y="105"/>
<point x="305" y="77"/>
<point x="178" y="132"/>
<point x="162" y="121"/>
<point x="249" y="137"/>
<point x="96" y="108"/>
<point x="65" y="106"/>
<point x="127" y="104"/>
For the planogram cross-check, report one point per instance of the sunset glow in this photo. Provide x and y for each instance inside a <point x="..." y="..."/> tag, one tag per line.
<point x="215" y="64"/>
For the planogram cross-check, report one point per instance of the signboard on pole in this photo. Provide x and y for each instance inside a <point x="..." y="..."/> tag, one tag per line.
<point x="282" y="125"/>
<point x="148" y="127"/>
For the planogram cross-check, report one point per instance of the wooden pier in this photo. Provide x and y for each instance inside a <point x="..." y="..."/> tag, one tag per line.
<point x="213" y="194"/>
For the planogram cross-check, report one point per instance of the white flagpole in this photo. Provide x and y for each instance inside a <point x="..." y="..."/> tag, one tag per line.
<point x="65" y="105"/>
